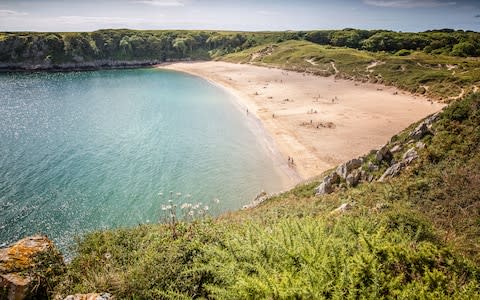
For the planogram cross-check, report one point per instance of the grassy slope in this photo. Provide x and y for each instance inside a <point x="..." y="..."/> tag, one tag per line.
<point x="416" y="236"/>
<point x="417" y="72"/>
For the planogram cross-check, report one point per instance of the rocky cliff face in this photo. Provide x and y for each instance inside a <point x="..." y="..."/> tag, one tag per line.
<point x="26" y="266"/>
<point x="382" y="164"/>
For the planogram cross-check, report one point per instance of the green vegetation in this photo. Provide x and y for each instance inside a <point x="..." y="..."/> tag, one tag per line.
<point x="415" y="237"/>
<point x="127" y="45"/>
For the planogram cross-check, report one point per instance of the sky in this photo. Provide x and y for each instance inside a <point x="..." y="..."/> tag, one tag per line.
<point x="246" y="15"/>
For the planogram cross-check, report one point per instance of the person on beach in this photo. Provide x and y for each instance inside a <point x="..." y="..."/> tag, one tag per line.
<point x="247" y="111"/>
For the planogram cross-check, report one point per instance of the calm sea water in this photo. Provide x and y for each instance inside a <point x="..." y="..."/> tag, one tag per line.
<point x="89" y="150"/>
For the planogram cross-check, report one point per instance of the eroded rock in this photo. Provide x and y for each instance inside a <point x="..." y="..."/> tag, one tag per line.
<point x="419" y="132"/>
<point x="344" y="169"/>
<point x="353" y="178"/>
<point x="392" y="171"/>
<point x="91" y="296"/>
<point x="19" y="260"/>
<point x="410" y="156"/>
<point x="383" y="155"/>
<point x="326" y="186"/>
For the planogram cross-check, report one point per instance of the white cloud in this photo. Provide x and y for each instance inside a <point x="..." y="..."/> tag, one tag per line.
<point x="11" y="13"/>
<point x="160" y="2"/>
<point x="408" y="3"/>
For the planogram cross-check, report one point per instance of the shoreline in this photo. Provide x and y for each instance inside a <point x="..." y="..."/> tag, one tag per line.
<point x="290" y="177"/>
<point x="319" y="121"/>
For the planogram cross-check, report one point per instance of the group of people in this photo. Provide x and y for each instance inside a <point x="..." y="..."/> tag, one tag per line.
<point x="290" y="161"/>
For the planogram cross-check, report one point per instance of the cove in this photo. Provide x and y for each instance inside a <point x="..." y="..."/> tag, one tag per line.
<point x="81" y="151"/>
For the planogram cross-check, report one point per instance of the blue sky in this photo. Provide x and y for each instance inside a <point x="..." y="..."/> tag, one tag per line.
<point x="89" y="15"/>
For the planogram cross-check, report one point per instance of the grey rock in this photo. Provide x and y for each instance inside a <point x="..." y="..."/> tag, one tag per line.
<point x="419" y="132"/>
<point x="396" y="148"/>
<point x="260" y="198"/>
<point x="429" y="121"/>
<point x="383" y="155"/>
<point x="91" y="296"/>
<point x="353" y="178"/>
<point x="392" y="171"/>
<point x="326" y="186"/>
<point x="409" y="156"/>
<point x="344" y="169"/>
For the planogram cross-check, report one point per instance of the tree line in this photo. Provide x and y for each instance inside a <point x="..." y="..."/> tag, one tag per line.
<point x="124" y="44"/>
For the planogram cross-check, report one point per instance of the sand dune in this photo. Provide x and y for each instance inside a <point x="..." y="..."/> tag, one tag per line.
<point x="319" y="121"/>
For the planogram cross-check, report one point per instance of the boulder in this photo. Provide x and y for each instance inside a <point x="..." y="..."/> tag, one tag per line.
<point x="429" y="121"/>
<point x="342" y="208"/>
<point x="383" y="155"/>
<point x="344" y="169"/>
<point x="409" y="156"/>
<point x="20" y="260"/>
<point x="420" y="131"/>
<point x="396" y="149"/>
<point x="392" y="171"/>
<point x="353" y="178"/>
<point x="326" y="186"/>
<point x="91" y="296"/>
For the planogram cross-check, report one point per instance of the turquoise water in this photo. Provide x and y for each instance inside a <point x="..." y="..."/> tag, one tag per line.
<point x="88" y="150"/>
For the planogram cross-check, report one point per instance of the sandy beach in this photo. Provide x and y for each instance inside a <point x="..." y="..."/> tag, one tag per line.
<point x="319" y="121"/>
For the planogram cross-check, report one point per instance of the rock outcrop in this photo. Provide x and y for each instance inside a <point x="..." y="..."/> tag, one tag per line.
<point x="344" y="169"/>
<point x="31" y="255"/>
<point x="423" y="128"/>
<point x="257" y="201"/>
<point x="91" y="296"/>
<point x="383" y="154"/>
<point x="342" y="208"/>
<point x="396" y="168"/>
<point x="326" y="186"/>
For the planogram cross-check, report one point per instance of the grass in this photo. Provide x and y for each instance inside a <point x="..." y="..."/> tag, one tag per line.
<point x="437" y="76"/>
<point x="414" y="237"/>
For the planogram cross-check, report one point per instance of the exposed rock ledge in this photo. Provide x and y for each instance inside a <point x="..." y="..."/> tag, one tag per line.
<point x="24" y="264"/>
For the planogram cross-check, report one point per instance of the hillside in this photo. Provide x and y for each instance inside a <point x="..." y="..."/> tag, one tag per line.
<point x="399" y="222"/>
<point x="413" y="236"/>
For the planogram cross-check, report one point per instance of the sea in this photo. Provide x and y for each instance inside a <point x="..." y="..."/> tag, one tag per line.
<point x="95" y="150"/>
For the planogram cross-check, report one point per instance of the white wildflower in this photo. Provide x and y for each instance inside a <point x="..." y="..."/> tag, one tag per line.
<point x="216" y="200"/>
<point x="206" y="207"/>
<point x="190" y="213"/>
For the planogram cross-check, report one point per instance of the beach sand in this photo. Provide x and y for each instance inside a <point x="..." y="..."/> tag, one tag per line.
<point x="319" y="121"/>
